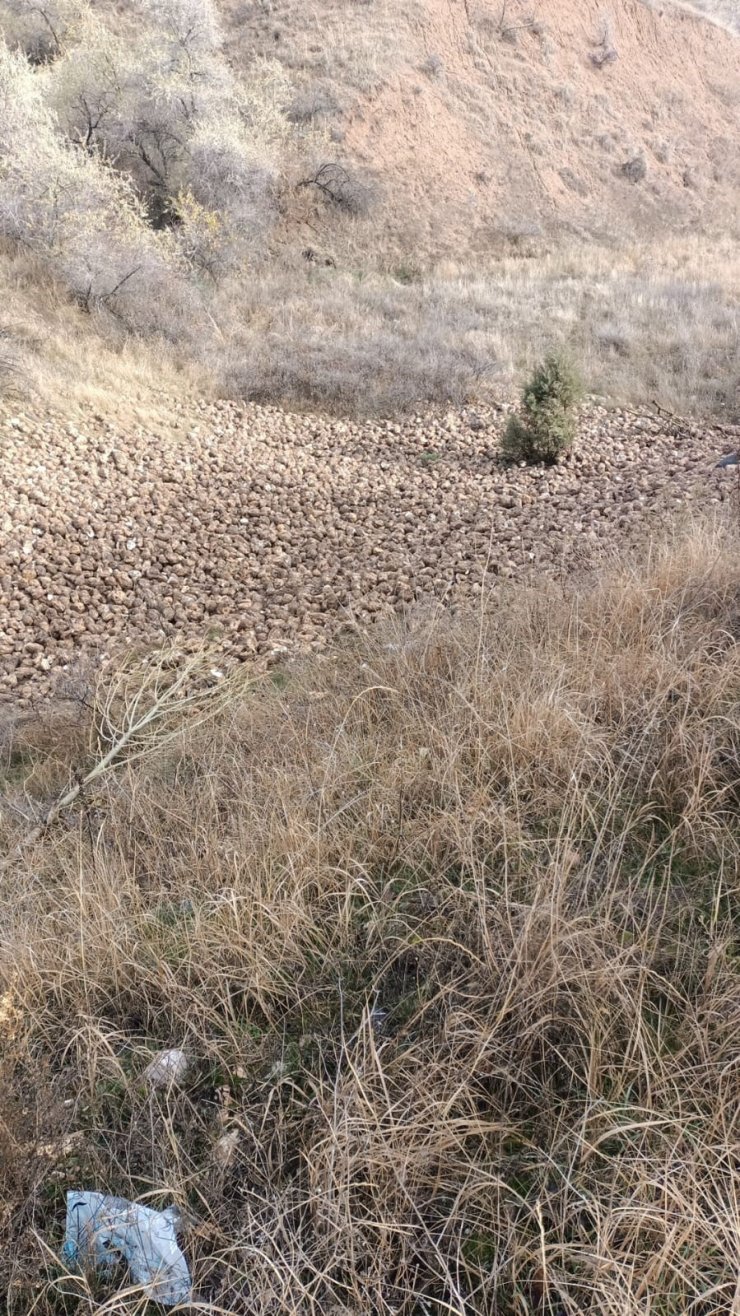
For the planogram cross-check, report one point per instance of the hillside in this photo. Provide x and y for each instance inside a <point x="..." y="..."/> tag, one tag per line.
<point x="360" y="207"/>
<point x="488" y="123"/>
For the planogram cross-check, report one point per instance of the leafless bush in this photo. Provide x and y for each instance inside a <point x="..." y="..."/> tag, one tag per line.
<point x="80" y="216"/>
<point x="605" y="51"/>
<point x="192" y="28"/>
<point x="167" y="113"/>
<point x="603" y="56"/>
<point x="635" y="169"/>
<point x="433" y="66"/>
<point x="663" y="152"/>
<point x="344" y="188"/>
<point x="138" y="101"/>
<point x="41" y="28"/>
<point x="508" y="20"/>
<point x="230" y="200"/>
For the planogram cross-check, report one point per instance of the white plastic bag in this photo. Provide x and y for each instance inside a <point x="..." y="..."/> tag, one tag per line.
<point x="101" y="1230"/>
<point x="167" y="1069"/>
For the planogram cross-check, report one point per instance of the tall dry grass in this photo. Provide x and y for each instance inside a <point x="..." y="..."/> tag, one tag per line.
<point x="57" y="357"/>
<point x="447" y="922"/>
<point x="640" y="324"/>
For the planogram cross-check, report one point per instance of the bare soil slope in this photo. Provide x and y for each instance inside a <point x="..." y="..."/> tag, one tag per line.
<point x="484" y="121"/>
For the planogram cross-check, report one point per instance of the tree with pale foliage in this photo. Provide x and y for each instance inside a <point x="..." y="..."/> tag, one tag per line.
<point x="42" y="28"/>
<point x="75" y="211"/>
<point x="131" y="159"/>
<point x="162" y="106"/>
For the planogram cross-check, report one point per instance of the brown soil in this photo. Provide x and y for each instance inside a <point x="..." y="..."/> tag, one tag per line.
<point x="538" y="134"/>
<point x="485" y="123"/>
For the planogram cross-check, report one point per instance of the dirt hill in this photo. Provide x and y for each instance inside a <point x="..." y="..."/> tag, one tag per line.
<point x="486" y="123"/>
<point x="372" y="204"/>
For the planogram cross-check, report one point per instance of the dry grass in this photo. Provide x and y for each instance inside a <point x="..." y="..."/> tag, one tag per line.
<point x="382" y="341"/>
<point x="355" y="46"/>
<point x="640" y="323"/>
<point x="447" y="922"/>
<point x="58" y="356"/>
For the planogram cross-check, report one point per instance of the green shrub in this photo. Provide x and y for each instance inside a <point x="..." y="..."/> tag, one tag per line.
<point x="547" y="425"/>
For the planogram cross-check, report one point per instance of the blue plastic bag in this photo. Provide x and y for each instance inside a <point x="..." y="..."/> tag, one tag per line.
<point x="103" y="1230"/>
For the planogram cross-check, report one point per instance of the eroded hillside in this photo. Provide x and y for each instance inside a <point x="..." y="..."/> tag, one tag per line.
<point x="364" y="206"/>
<point x="485" y="122"/>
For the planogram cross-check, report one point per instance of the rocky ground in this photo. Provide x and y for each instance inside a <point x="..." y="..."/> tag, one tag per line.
<point x="268" y="530"/>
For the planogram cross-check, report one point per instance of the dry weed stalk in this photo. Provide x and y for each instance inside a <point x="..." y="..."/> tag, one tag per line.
<point x="141" y="707"/>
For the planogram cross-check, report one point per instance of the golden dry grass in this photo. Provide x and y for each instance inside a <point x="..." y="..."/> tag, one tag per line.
<point x="641" y="323"/>
<point x="447" y="922"/>
<point x="53" y="354"/>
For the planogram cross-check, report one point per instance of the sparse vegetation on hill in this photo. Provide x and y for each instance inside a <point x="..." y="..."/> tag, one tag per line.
<point x="300" y="204"/>
<point x="446" y="924"/>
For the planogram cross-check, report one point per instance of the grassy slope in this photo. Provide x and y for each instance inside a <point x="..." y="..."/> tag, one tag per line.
<point x="441" y="312"/>
<point x="638" y="330"/>
<point x="448" y="925"/>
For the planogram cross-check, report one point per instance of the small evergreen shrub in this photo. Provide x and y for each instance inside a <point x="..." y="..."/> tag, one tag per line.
<point x="546" y="428"/>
